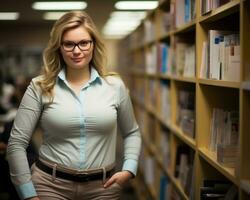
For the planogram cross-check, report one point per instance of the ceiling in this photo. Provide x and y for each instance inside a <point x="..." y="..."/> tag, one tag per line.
<point x="99" y="10"/>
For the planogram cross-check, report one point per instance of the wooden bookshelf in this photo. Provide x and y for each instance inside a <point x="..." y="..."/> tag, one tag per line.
<point x="219" y="83"/>
<point x="222" y="11"/>
<point x="210" y="157"/>
<point x="156" y="95"/>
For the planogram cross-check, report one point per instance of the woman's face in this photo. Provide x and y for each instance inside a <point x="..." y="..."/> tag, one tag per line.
<point x="77" y="48"/>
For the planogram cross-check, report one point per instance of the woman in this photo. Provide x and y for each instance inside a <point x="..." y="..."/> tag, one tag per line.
<point x="78" y="106"/>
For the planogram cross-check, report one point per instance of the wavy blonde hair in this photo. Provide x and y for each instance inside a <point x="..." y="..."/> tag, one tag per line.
<point x="52" y="58"/>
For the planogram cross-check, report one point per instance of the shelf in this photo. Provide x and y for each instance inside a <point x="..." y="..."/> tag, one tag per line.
<point x="143" y="46"/>
<point x="179" y="188"/>
<point x="185" y="28"/>
<point x="184" y="79"/>
<point x="164" y="76"/>
<point x="219" y="83"/>
<point x="208" y="94"/>
<point x="164" y="36"/>
<point x="175" y="182"/>
<point x="137" y="48"/>
<point x="162" y="121"/>
<point x="176" y="130"/>
<point x="221" y="12"/>
<point x="186" y="139"/>
<point x="149" y="43"/>
<point x="210" y="157"/>
<point x="245" y="185"/>
<point x="160" y="162"/>
<point x="138" y="73"/>
<point x="245" y="85"/>
<point x="150" y="190"/>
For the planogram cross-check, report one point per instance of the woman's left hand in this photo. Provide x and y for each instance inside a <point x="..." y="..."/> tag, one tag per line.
<point x="120" y="177"/>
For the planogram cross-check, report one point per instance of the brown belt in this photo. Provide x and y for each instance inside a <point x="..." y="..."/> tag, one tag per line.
<point x="80" y="177"/>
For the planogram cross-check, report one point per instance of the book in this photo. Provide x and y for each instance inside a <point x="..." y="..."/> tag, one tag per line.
<point x="214" y="189"/>
<point x="204" y="69"/>
<point x="163" y="187"/>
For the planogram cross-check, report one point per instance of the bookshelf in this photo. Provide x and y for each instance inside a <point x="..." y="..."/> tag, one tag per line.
<point x="176" y="104"/>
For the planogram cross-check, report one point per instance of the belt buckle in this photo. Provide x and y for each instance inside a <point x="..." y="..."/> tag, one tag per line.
<point x="82" y="175"/>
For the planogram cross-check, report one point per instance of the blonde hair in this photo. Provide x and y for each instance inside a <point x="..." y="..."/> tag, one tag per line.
<point x="52" y="58"/>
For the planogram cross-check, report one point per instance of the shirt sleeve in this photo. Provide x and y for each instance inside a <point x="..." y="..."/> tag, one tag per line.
<point x="130" y="131"/>
<point x="24" y="125"/>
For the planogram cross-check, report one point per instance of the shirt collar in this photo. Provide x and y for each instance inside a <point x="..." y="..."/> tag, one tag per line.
<point x="94" y="75"/>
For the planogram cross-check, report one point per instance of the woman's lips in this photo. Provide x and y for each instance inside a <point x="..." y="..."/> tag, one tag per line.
<point x="76" y="59"/>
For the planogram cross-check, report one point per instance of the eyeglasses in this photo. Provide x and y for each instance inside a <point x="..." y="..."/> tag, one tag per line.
<point x="83" y="45"/>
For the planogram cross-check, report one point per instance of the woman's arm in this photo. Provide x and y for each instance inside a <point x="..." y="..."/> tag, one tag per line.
<point x="130" y="131"/>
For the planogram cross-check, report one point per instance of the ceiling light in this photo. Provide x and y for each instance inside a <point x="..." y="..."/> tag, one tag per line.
<point x="138" y="15"/>
<point x="53" y="15"/>
<point x="136" y="5"/>
<point x="59" y="5"/>
<point x="9" y="15"/>
<point x="114" y="37"/>
<point x="119" y="28"/>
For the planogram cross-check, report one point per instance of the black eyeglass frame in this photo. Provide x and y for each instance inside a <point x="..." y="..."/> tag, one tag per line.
<point x="77" y="44"/>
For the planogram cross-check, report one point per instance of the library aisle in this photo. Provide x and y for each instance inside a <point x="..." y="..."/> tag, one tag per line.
<point x="188" y="70"/>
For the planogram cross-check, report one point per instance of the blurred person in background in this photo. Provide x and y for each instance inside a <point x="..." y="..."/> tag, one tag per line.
<point x="79" y="106"/>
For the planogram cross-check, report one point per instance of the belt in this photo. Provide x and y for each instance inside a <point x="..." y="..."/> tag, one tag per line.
<point x="81" y="177"/>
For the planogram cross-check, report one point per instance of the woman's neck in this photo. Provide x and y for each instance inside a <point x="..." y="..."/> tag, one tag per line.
<point x="78" y="76"/>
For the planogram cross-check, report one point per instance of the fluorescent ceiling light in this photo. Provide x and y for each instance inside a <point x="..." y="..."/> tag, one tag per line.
<point x="59" y="5"/>
<point x="53" y="15"/>
<point x="138" y="15"/>
<point x="136" y="5"/>
<point x="114" y="37"/>
<point x="117" y="30"/>
<point x="9" y="15"/>
<point x="120" y="24"/>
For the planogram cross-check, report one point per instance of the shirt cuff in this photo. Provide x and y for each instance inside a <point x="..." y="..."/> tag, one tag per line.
<point x="26" y="190"/>
<point x="130" y="165"/>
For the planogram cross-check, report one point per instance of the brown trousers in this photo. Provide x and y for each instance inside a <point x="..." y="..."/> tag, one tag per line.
<point x="53" y="188"/>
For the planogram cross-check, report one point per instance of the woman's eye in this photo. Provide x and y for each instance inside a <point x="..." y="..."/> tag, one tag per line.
<point x="83" y="43"/>
<point x="68" y="44"/>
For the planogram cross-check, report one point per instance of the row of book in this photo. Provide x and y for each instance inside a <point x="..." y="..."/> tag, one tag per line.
<point x="166" y="60"/>
<point x="139" y="90"/>
<point x="184" y="168"/>
<point x="221" y="56"/>
<point x="149" y="30"/>
<point x="157" y="179"/>
<point x="185" y="117"/>
<point x="185" y="59"/>
<point x="180" y="13"/>
<point x="184" y="12"/>
<point x="224" y="136"/>
<point x="186" y="112"/>
<point x="217" y="190"/>
<point x="208" y="5"/>
<point x="152" y="93"/>
<point x="165" y="106"/>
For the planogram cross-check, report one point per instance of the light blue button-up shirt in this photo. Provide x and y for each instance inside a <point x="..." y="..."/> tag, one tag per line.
<point x="78" y="131"/>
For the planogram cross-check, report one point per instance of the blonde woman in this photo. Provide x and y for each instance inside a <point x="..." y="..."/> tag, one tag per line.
<point x="79" y="108"/>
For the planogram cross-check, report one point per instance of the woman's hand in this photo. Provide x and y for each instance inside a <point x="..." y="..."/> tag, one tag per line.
<point x="120" y="177"/>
